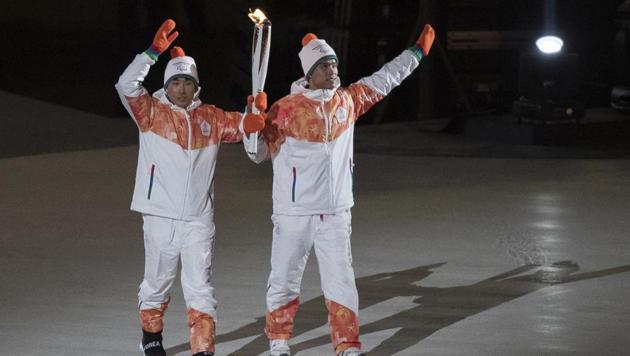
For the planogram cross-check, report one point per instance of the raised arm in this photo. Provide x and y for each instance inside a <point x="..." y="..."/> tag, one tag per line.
<point x="370" y="90"/>
<point x="133" y="95"/>
<point x="238" y="125"/>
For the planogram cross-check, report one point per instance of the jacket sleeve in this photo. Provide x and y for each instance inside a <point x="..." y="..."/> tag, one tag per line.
<point x="230" y="126"/>
<point x="135" y="98"/>
<point x="370" y="90"/>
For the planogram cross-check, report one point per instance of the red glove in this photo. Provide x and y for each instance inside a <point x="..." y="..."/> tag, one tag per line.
<point x="261" y="102"/>
<point x="253" y="122"/>
<point x="425" y="41"/>
<point x="164" y="37"/>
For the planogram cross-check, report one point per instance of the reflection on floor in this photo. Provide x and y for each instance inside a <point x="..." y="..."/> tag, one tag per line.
<point x="453" y="256"/>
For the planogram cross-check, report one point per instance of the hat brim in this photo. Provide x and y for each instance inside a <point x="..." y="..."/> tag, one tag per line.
<point x="324" y="58"/>
<point x="181" y="76"/>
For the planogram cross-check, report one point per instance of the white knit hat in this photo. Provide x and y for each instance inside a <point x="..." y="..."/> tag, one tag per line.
<point x="313" y="52"/>
<point x="180" y="66"/>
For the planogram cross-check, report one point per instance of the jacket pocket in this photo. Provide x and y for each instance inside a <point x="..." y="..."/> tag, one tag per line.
<point x="151" y="177"/>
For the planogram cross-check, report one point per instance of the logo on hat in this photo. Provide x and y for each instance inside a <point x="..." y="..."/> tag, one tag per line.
<point x="321" y="48"/>
<point x="182" y="66"/>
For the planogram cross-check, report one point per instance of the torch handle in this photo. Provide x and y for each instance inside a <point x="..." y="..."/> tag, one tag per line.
<point x="260" y="60"/>
<point x="253" y="148"/>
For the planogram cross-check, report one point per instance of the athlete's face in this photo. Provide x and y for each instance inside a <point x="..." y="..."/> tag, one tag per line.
<point x="181" y="91"/>
<point x="324" y="75"/>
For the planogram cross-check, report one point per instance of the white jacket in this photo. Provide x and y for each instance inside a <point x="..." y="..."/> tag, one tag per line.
<point x="309" y="138"/>
<point x="178" y="147"/>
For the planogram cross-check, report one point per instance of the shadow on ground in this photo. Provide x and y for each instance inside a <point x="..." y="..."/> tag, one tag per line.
<point x="437" y="308"/>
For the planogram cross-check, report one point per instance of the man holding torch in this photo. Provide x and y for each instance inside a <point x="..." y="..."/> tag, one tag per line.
<point x="261" y="45"/>
<point x="179" y="142"/>
<point x="309" y="138"/>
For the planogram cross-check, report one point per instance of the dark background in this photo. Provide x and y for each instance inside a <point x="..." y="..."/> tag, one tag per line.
<point x="72" y="52"/>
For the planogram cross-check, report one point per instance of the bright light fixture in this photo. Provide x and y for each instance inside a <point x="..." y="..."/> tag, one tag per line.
<point x="549" y="44"/>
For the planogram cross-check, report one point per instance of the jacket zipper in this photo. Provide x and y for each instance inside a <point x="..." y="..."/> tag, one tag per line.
<point x="189" y="163"/>
<point x="328" y="154"/>
<point x="210" y="193"/>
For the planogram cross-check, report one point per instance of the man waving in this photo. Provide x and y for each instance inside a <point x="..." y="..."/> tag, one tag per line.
<point x="309" y="138"/>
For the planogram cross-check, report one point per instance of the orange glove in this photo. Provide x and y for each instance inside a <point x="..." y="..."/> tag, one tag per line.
<point x="425" y="41"/>
<point x="164" y="37"/>
<point x="253" y="122"/>
<point x="261" y="102"/>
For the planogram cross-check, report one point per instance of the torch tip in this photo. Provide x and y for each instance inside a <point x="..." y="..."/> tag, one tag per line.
<point x="257" y="16"/>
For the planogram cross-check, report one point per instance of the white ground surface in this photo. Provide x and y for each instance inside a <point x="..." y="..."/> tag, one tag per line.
<point x="71" y="254"/>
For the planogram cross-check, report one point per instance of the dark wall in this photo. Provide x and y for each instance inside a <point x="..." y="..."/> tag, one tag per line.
<point x="73" y="53"/>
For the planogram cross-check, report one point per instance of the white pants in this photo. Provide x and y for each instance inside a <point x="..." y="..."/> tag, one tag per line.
<point x="293" y="238"/>
<point x="165" y="242"/>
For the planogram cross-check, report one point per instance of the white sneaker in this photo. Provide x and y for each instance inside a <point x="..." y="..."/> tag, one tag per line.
<point x="279" y="348"/>
<point x="353" y="351"/>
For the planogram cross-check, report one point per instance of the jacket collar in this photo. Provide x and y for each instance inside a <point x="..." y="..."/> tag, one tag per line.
<point x="300" y="86"/>
<point x="163" y="98"/>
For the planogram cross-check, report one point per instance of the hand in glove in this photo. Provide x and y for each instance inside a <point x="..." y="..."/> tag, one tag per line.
<point x="425" y="41"/>
<point x="261" y="102"/>
<point x="164" y="37"/>
<point x="255" y="122"/>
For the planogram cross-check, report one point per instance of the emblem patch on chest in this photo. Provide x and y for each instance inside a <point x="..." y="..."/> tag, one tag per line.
<point x="205" y="128"/>
<point x="341" y="115"/>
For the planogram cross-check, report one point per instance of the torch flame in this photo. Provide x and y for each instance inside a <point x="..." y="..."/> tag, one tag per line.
<point x="257" y="16"/>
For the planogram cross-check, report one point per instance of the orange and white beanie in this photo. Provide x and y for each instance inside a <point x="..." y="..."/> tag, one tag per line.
<point x="180" y="66"/>
<point x="314" y="51"/>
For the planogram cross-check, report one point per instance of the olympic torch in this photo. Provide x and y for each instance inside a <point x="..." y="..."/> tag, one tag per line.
<point x="260" y="58"/>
